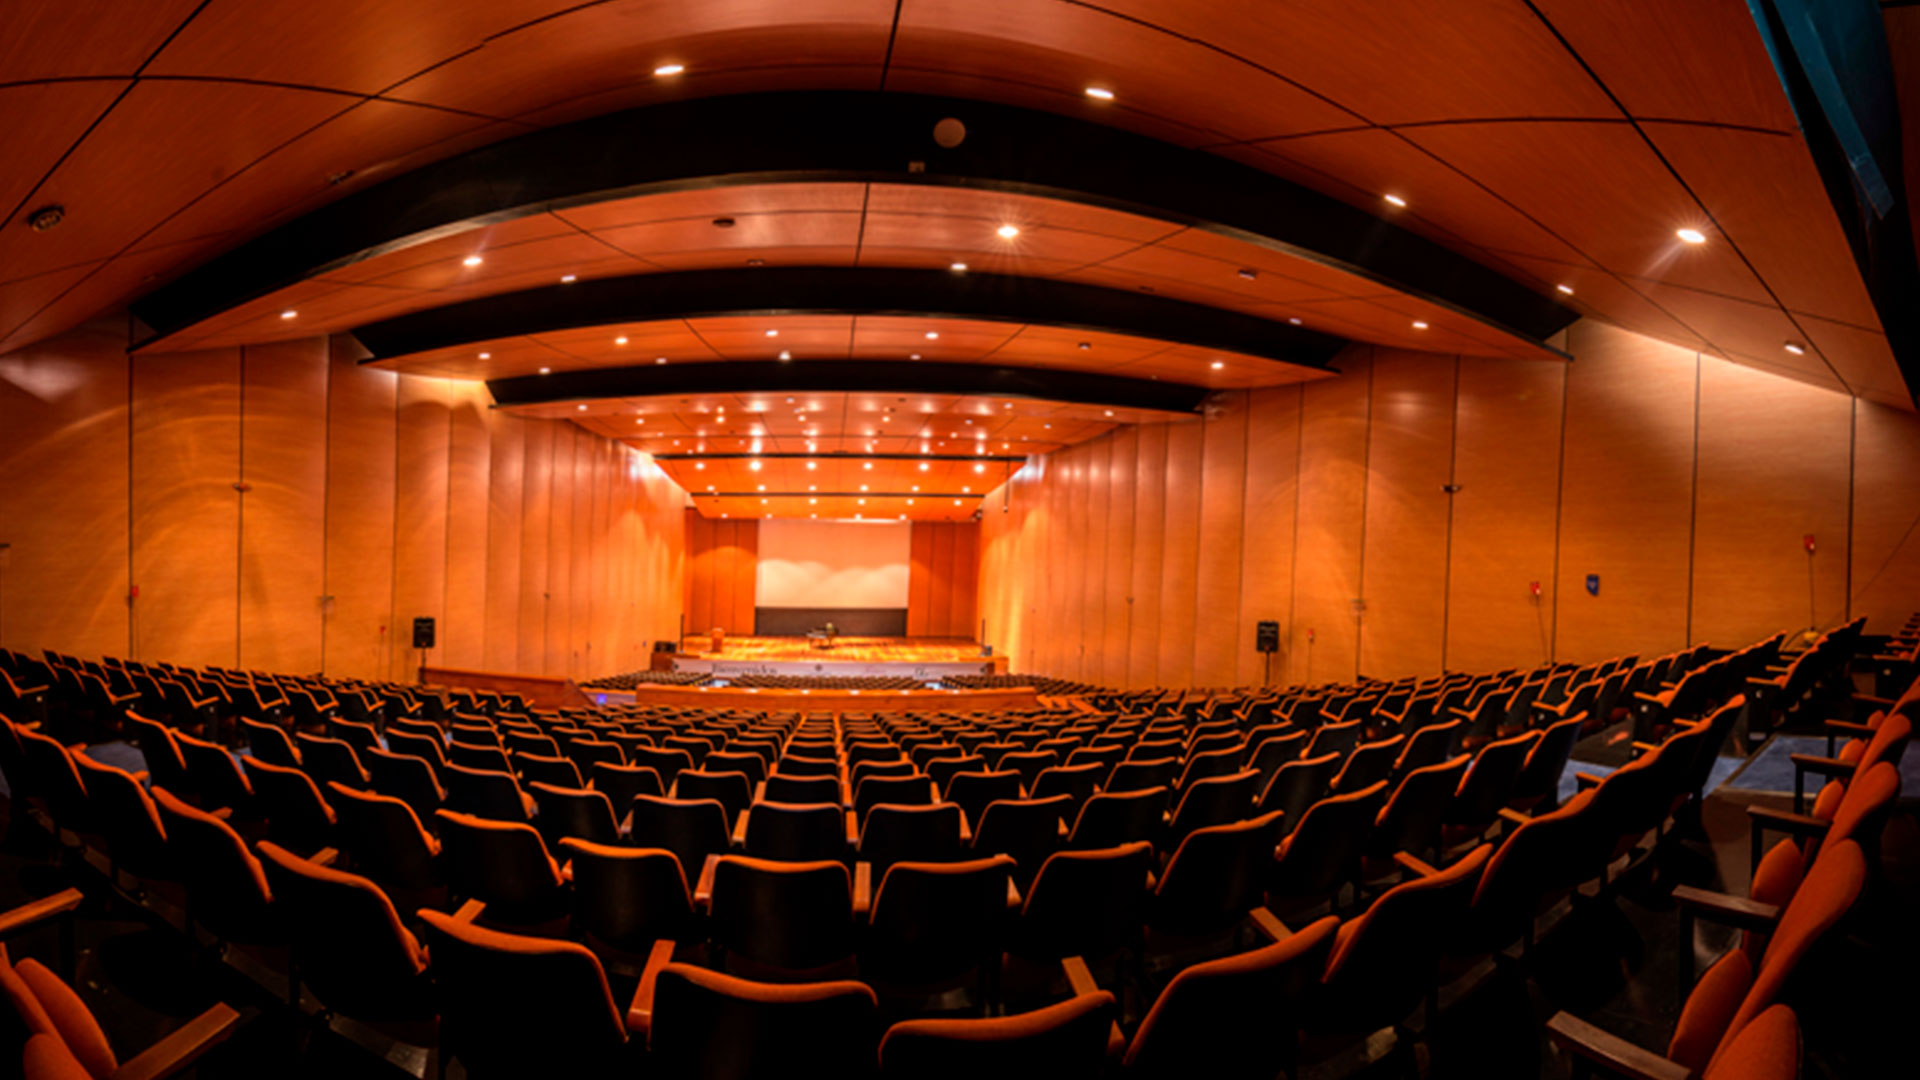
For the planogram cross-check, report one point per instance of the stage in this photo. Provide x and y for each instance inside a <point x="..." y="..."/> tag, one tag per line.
<point x="920" y="658"/>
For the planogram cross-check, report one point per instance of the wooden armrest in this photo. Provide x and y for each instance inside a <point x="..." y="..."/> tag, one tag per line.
<point x="1786" y="821"/>
<point x="1822" y="766"/>
<point x="1078" y="976"/>
<point x="1014" y="902"/>
<point x="1408" y="862"/>
<point x="1876" y="702"/>
<point x="1735" y="911"/>
<point x="1644" y="747"/>
<point x="862" y="889"/>
<point x="853" y="830"/>
<point x="740" y="829"/>
<point x="703" y="892"/>
<point x="640" y="1012"/>
<point x="760" y="791"/>
<point x="1508" y="813"/>
<point x="1269" y="924"/>
<point x="202" y="703"/>
<point x="329" y="706"/>
<point x="182" y="1048"/>
<point x="966" y="834"/>
<point x="1611" y="1052"/>
<point x="1657" y="699"/>
<point x="1586" y="780"/>
<point x="36" y="911"/>
<point x="326" y="856"/>
<point x="1848" y="727"/>
<point x="470" y="911"/>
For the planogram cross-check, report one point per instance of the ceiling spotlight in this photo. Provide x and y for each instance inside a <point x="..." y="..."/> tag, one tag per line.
<point x="1691" y="236"/>
<point x="812" y="465"/>
<point x="546" y="371"/>
<point x="762" y="487"/>
<point x="621" y="340"/>
<point x="1568" y="289"/>
<point x="915" y="356"/>
<point x="786" y="354"/>
<point x="968" y="490"/>
<point x="699" y="464"/>
<point x="956" y="502"/>
<point x="813" y="502"/>
<point x="813" y="487"/>
<point x="933" y="335"/>
<point x="979" y="468"/>
<point x="1099" y="93"/>
<point x="46" y="217"/>
<point x="773" y="333"/>
<point x="1395" y="200"/>
<point x="1218" y="364"/>
<point x="1109" y="412"/>
<point x="867" y="466"/>
<point x="568" y="279"/>
<point x="1419" y="324"/>
<point x="1796" y="348"/>
<point x="483" y="356"/>
<point x="582" y="408"/>
<point x="1008" y="232"/>
<point x="659" y="359"/>
<point x="916" y="487"/>
<point x="665" y="70"/>
<point x="1249" y="273"/>
<point x="863" y="487"/>
<point x="288" y="314"/>
<point x="754" y="464"/>
<point x="640" y="420"/>
<point x="472" y="260"/>
<point x="958" y="268"/>
<point x="923" y="466"/>
<point x="910" y="501"/>
<point x="1295" y="322"/>
<point x="763" y="502"/>
<point x="860" y="502"/>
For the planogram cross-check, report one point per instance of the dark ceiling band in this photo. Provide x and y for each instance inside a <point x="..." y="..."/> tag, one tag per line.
<point x="849" y="136"/>
<point x="847" y="376"/>
<point x="845" y="291"/>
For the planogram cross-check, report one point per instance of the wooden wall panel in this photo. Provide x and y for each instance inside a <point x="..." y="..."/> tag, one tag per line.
<point x="1769" y="452"/>
<point x="1507" y="463"/>
<point x="1149" y="546"/>
<point x="726" y="551"/>
<point x="419" y="519"/>
<point x="1117" y="623"/>
<point x="1404" y="562"/>
<point x="1626" y="508"/>
<point x="1333" y="492"/>
<point x="1077" y="539"/>
<point x="699" y="579"/>
<point x="919" y="577"/>
<point x="560" y="550"/>
<point x="185" y="524"/>
<point x="1099" y="526"/>
<point x="283" y="534"/>
<point x="940" y="583"/>
<point x="469" y="470"/>
<point x="964" y="576"/>
<point x="1218" y="624"/>
<point x="580" y="582"/>
<point x="746" y="574"/>
<point x="1266" y="549"/>
<point x="1180" y="555"/>
<point x="1885" y="551"/>
<point x="63" y="452"/>
<point x="361" y="455"/>
<point x="536" y="528"/>
<point x="506" y="505"/>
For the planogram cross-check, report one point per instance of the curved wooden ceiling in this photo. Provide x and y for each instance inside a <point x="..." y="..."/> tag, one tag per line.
<point x="1560" y="142"/>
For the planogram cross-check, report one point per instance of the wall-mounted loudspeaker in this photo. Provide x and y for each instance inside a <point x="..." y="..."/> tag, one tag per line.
<point x="1266" y="637"/>
<point x="423" y="632"/>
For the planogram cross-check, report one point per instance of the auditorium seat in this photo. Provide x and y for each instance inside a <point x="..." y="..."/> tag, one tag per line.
<point x="487" y="793"/>
<point x="404" y="777"/>
<point x="896" y="832"/>
<point x="574" y="811"/>
<point x="711" y="1026"/>
<point x="227" y="890"/>
<point x="620" y="783"/>
<point x="1029" y="764"/>
<point x="266" y="742"/>
<point x="1088" y="904"/>
<point x="330" y="760"/>
<point x="504" y="865"/>
<point x="1215" y="800"/>
<point x="166" y="766"/>
<point x="1409" y="820"/>
<point x="625" y="898"/>
<point x="1112" y="818"/>
<point x="386" y="840"/>
<point x="361" y="736"/>
<point x="136" y="841"/>
<point x="57" y="1037"/>
<point x="785" y="921"/>
<point x="690" y="828"/>
<point x="1214" y="879"/>
<point x="1489" y="782"/>
<point x="752" y="764"/>
<point x="871" y="791"/>
<point x="555" y="770"/>
<point x="1369" y="763"/>
<point x="1027" y="830"/>
<point x="732" y="790"/>
<point x="794" y="832"/>
<point x="932" y="924"/>
<point x="1237" y="1017"/>
<point x="349" y="946"/>
<point x="1769" y="1048"/>
<point x="1539" y="778"/>
<point x="1069" y="1038"/>
<point x="298" y="817"/>
<point x="1324" y="851"/>
<point x="215" y="775"/>
<point x="1143" y="774"/>
<point x="1296" y="785"/>
<point x="514" y="1006"/>
<point x="485" y="757"/>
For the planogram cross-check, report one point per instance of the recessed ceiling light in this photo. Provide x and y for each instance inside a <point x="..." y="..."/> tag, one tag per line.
<point x="1796" y="348"/>
<point x="1394" y="199"/>
<point x="915" y="356"/>
<point x="1008" y="232"/>
<point x="863" y="487"/>
<point x="699" y="464"/>
<point x="546" y="371"/>
<point x="762" y="487"/>
<point x="812" y="465"/>
<point x="1218" y="364"/>
<point x="910" y="501"/>
<point x="1109" y="412"/>
<point x="472" y="260"/>
<point x="1568" y="289"/>
<point x="723" y="513"/>
<point x="1248" y="273"/>
<point x="582" y="408"/>
<point x="956" y="502"/>
<point x="979" y="468"/>
<point x="288" y="314"/>
<point x="754" y="464"/>
<point x="1691" y="236"/>
<point x="1419" y="324"/>
<point x="813" y="502"/>
<point x="659" y="359"/>
<point x="665" y="70"/>
<point x="933" y="335"/>
<point x="813" y="516"/>
<point x="1099" y="93"/>
<point x="916" y="487"/>
<point x="923" y="466"/>
<point x="958" y="268"/>
<point x="813" y="487"/>
<point x="785" y="354"/>
<point x="773" y="333"/>
<point x="568" y="279"/>
<point x="486" y="356"/>
<point x="640" y="420"/>
<point x="1295" y="322"/>
<point x="867" y="466"/>
<point x="860" y="502"/>
<point x="621" y="340"/>
<point x="763" y="502"/>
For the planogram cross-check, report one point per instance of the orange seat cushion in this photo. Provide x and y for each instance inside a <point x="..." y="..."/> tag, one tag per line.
<point x="1766" y="1049"/>
<point x="1709" y="1009"/>
<point x="47" y="1058"/>
<point x="1774" y="883"/>
<point x="72" y="1018"/>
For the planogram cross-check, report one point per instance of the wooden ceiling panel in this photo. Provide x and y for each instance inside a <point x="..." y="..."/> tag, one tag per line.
<point x="355" y="149"/>
<point x="764" y="337"/>
<point x="162" y="126"/>
<point x="61" y="39"/>
<point x="1599" y="293"/>
<point x="1009" y="263"/>
<point x="996" y="208"/>
<point x="932" y="339"/>
<point x="1754" y="183"/>
<point x="319" y="307"/>
<point x="838" y="509"/>
<point x="364" y="46"/>
<point x="1651" y="56"/>
<point x="500" y="269"/>
<point x="1060" y="49"/>
<point x="1603" y="190"/>
<point x="491" y="240"/>
<point x="597" y="49"/>
<point x="1442" y="204"/>
<point x="1734" y="327"/>
<point x="705" y="204"/>
<point x="43" y="122"/>
<point x="1863" y="359"/>
<point x="968" y="238"/>
<point x="87" y="296"/>
<point x="1174" y="260"/>
<point x="750" y="232"/>
<point x="728" y="259"/>
<point x="1451" y="61"/>
<point x="1374" y="320"/>
<point x="24" y="298"/>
